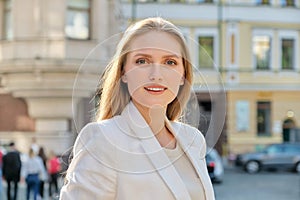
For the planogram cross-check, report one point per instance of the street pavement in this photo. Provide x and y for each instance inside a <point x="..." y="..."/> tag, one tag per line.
<point x="22" y="191"/>
<point x="236" y="185"/>
<point x="265" y="185"/>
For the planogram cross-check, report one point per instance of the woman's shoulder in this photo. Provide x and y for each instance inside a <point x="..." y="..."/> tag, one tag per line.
<point x="101" y="127"/>
<point x="97" y="124"/>
<point x="97" y="141"/>
<point x="96" y="134"/>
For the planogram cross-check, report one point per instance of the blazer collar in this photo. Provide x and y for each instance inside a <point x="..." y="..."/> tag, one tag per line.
<point x="185" y="138"/>
<point x="155" y="152"/>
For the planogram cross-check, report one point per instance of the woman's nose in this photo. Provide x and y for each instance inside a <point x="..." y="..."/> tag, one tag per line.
<point x="155" y="73"/>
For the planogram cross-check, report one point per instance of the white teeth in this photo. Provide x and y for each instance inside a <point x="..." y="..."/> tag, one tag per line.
<point x="155" y="89"/>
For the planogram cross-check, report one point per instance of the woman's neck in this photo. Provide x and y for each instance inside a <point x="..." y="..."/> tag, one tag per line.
<point x="155" y="118"/>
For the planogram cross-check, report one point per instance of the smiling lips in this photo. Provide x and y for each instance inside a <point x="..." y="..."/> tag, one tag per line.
<point x="155" y="89"/>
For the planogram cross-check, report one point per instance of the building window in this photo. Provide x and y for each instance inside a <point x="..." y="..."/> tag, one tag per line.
<point x="78" y="19"/>
<point x="288" y="54"/>
<point x="287" y="3"/>
<point x="262" y="52"/>
<point x="206" y="51"/>
<point x="263" y="118"/>
<point x="7" y="20"/>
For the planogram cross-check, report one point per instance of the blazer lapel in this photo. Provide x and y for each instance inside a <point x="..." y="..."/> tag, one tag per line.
<point x="186" y="140"/>
<point x="155" y="152"/>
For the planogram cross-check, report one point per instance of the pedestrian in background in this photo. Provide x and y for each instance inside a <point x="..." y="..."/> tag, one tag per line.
<point x="11" y="170"/>
<point x="32" y="172"/>
<point x="43" y="156"/>
<point x="54" y="168"/>
<point x="34" y="146"/>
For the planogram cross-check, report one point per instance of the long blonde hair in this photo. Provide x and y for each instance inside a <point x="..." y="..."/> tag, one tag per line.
<point x="114" y="95"/>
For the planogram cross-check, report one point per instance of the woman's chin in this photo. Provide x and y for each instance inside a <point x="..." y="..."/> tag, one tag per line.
<point x="152" y="103"/>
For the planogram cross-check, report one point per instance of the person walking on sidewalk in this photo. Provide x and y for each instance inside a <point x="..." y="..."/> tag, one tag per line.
<point x="11" y="170"/>
<point x="43" y="156"/>
<point x="53" y="170"/>
<point x="32" y="172"/>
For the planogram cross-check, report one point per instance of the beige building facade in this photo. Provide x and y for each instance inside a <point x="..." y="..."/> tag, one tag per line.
<point x="46" y="81"/>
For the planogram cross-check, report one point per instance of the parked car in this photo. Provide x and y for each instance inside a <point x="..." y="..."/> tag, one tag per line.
<point x="275" y="156"/>
<point x="214" y="166"/>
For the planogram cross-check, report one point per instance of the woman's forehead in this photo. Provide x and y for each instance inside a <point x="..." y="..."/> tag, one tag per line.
<point x="158" y="41"/>
<point x="153" y="52"/>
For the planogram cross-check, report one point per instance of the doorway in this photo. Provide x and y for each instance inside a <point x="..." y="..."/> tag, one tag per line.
<point x="288" y="125"/>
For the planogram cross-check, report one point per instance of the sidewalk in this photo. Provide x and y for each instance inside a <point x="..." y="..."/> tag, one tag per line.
<point x="22" y="191"/>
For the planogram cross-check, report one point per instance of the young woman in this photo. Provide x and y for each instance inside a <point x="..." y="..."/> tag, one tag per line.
<point x="43" y="156"/>
<point x="53" y="166"/>
<point x="137" y="150"/>
<point x="32" y="172"/>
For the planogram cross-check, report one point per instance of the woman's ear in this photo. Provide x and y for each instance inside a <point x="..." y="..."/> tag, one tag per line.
<point x="182" y="80"/>
<point x="124" y="78"/>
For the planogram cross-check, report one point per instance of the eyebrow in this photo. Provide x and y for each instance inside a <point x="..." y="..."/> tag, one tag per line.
<point x="148" y="56"/>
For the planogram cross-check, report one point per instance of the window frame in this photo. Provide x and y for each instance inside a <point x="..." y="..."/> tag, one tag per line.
<point x="207" y="32"/>
<point x="288" y="34"/>
<point x="89" y="14"/>
<point x="5" y="31"/>
<point x="269" y="33"/>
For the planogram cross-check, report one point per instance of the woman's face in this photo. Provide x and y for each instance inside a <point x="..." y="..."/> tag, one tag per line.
<point x="154" y="69"/>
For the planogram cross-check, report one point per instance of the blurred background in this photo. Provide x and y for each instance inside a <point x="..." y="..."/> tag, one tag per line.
<point x="254" y="45"/>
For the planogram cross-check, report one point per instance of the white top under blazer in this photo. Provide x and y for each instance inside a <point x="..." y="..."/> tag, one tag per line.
<point x="120" y="159"/>
<point x="187" y="172"/>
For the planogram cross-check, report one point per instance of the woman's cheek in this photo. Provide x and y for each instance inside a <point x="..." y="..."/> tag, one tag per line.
<point x="135" y="82"/>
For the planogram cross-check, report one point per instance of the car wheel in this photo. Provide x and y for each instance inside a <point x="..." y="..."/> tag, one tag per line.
<point x="252" y="166"/>
<point x="297" y="168"/>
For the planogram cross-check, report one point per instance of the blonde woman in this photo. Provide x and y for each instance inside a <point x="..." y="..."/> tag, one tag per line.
<point x="33" y="171"/>
<point x="137" y="150"/>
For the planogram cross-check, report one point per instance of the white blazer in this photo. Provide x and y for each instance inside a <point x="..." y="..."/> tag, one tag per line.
<point x="121" y="159"/>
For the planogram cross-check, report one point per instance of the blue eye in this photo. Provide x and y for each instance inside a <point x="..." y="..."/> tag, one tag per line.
<point x="171" y="62"/>
<point x="141" y="61"/>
